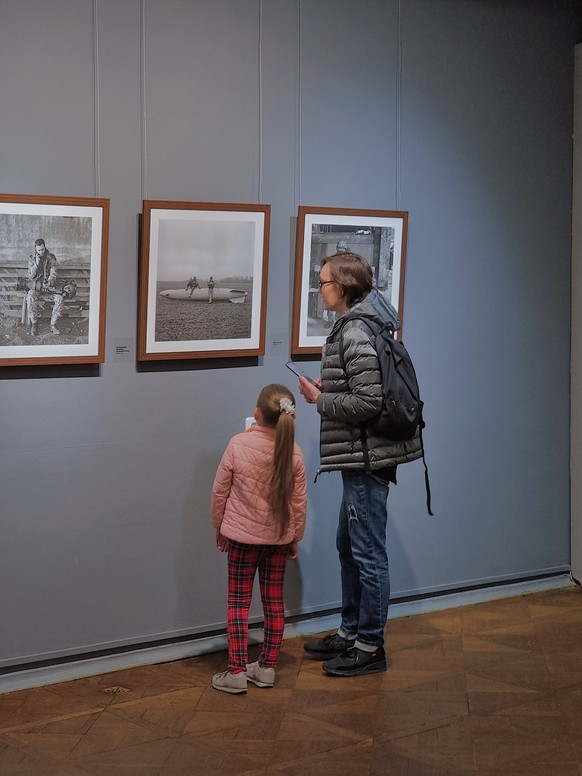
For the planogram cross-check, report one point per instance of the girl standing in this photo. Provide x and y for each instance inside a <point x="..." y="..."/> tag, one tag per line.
<point x="258" y="507"/>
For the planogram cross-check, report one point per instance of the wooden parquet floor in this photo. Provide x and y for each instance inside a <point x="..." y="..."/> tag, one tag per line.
<point x="480" y="690"/>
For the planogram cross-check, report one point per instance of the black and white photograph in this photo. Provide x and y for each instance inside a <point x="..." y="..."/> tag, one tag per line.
<point x="53" y="260"/>
<point x="203" y="279"/>
<point x="379" y="236"/>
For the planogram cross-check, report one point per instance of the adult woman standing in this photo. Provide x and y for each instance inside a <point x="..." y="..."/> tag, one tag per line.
<point x="348" y="395"/>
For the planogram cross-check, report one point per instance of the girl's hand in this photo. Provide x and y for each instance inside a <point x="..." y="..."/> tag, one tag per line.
<point x="221" y="541"/>
<point x="308" y="390"/>
<point x="293" y="550"/>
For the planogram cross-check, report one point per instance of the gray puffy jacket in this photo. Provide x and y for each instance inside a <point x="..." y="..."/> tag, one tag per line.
<point x="352" y="394"/>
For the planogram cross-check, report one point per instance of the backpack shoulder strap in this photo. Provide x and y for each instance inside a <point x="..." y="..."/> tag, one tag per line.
<point x="426" y="480"/>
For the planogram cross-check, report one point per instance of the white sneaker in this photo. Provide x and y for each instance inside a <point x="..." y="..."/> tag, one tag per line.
<point x="262" y="677"/>
<point x="227" y="682"/>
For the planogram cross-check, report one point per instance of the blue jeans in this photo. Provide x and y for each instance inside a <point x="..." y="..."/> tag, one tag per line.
<point x="361" y="543"/>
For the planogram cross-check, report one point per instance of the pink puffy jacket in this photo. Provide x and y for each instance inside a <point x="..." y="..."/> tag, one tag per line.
<point x="238" y="505"/>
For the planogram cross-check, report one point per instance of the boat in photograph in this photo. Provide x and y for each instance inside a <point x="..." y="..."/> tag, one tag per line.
<point x="234" y="295"/>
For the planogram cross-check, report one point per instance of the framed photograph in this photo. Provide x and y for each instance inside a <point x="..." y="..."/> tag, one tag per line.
<point x="379" y="236"/>
<point x="53" y="277"/>
<point x="203" y="280"/>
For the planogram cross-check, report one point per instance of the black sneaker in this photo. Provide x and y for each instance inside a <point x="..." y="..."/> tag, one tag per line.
<point x="356" y="662"/>
<point x="328" y="647"/>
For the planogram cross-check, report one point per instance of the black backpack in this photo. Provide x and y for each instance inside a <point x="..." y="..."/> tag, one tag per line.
<point x="401" y="414"/>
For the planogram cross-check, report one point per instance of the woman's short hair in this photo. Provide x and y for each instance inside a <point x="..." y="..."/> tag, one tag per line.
<point x="352" y="273"/>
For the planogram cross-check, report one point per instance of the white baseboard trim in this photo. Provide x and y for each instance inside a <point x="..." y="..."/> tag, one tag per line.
<point x="66" y="672"/>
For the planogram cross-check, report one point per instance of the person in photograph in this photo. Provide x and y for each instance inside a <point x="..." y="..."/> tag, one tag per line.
<point x="347" y="395"/>
<point x="210" y="285"/>
<point x="43" y="271"/>
<point x="192" y="284"/>
<point x="258" y="508"/>
<point x="329" y="316"/>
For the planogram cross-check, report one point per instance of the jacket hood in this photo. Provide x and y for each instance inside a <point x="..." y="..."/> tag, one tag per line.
<point x="364" y="309"/>
<point x="384" y="309"/>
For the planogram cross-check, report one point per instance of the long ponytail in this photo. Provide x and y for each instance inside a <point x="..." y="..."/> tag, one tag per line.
<point x="277" y="406"/>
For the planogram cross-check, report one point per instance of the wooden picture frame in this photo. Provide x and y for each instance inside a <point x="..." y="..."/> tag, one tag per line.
<point x="53" y="279"/>
<point x="185" y="246"/>
<point x="377" y="235"/>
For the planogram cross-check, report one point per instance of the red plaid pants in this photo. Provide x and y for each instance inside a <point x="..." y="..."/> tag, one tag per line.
<point x="243" y="562"/>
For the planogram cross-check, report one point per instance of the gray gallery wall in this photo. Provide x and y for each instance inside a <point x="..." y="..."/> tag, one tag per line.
<point x="458" y="112"/>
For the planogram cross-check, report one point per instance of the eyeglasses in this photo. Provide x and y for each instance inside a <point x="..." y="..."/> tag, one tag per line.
<point x="323" y="283"/>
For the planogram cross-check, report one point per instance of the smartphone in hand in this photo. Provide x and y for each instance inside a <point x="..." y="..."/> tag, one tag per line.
<point x="298" y="371"/>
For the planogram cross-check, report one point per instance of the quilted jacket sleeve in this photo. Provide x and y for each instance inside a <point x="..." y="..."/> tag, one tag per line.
<point x="221" y="487"/>
<point x="298" y="506"/>
<point x="351" y="382"/>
